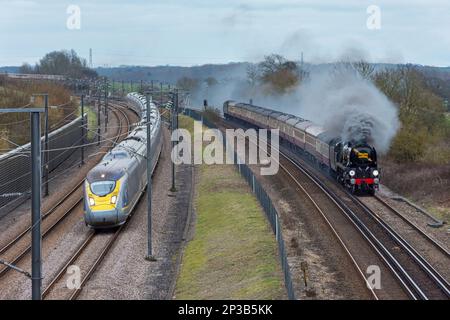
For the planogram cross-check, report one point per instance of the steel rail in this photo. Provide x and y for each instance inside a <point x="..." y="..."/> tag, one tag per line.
<point x="434" y="242"/>
<point x="408" y="283"/>
<point x="86" y="243"/>
<point x="330" y="225"/>
<point x="44" y="235"/>
<point x="418" y="258"/>
<point x="69" y="262"/>
<point x="22" y="254"/>
<point x="97" y="262"/>
<point x="44" y="216"/>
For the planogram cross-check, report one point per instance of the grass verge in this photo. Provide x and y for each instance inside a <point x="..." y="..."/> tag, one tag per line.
<point x="233" y="254"/>
<point x="92" y="121"/>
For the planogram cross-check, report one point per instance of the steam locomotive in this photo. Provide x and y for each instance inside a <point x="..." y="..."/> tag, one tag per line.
<point x="353" y="163"/>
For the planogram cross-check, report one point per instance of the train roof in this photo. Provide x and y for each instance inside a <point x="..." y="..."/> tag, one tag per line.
<point x="297" y="122"/>
<point x="249" y="106"/>
<point x="314" y="130"/>
<point x="276" y="114"/>
<point x="113" y="164"/>
<point x="285" y="116"/>
<point x="110" y="170"/>
<point x="294" y="120"/>
<point x="264" y="112"/>
<point x="303" y="125"/>
<point x="327" y="137"/>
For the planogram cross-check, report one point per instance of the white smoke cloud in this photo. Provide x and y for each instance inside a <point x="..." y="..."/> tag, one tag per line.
<point x="350" y="106"/>
<point x="336" y="98"/>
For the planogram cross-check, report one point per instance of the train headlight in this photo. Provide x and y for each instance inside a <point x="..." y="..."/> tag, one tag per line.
<point x="91" y="202"/>
<point x="351" y="173"/>
<point x="375" y="173"/>
<point x="113" y="199"/>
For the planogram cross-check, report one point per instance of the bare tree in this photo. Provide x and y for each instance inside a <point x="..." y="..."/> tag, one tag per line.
<point x="278" y="74"/>
<point x="364" y="68"/>
<point x="252" y="75"/>
<point x="26" y="68"/>
<point x="211" y="81"/>
<point x="188" y="84"/>
<point x="64" y="62"/>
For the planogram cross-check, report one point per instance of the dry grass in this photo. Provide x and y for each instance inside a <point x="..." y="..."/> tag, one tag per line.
<point x="426" y="180"/>
<point x="424" y="183"/>
<point x="17" y="93"/>
<point x="233" y="254"/>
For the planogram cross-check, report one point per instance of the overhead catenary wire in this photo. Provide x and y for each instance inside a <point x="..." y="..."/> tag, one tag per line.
<point x="14" y="123"/>
<point x="54" y="125"/>
<point x="61" y="106"/>
<point x="74" y="146"/>
<point x="64" y="150"/>
<point x="105" y="139"/>
<point x="50" y="140"/>
<point x="87" y="144"/>
<point x="71" y="147"/>
<point x="15" y="176"/>
<point x="19" y="184"/>
<point x="28" y="173"/>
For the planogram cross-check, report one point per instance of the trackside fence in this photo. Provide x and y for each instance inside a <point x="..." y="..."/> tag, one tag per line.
<point x="15" y="166"/>
<point x="263" y="198"/>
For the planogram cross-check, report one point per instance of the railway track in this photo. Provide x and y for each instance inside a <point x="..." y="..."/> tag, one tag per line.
<point x="414" y="273"/>
<point x="18" y="247"/>
<point x="419" y="232"/>
<point x="425" y="281"/>
<point x="98" y="247"/>
<point x="94" y="248"/>
<point x="322" y="213"/>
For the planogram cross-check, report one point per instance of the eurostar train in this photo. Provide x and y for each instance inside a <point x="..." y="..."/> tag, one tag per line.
<point x="114" y="186"/>
<point x="353" y="163"/>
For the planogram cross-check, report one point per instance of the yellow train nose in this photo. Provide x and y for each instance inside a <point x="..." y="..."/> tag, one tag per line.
<point x="102" y="203"/>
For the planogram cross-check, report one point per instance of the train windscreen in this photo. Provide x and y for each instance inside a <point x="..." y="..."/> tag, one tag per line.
<point x="102" y="188"/>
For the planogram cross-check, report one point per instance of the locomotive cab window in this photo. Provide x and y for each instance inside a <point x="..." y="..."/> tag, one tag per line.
<point x="102" y="188"/>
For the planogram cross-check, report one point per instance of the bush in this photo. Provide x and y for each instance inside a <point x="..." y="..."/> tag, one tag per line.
<point x="421" y="112"/>
<point x="408" y="145"/>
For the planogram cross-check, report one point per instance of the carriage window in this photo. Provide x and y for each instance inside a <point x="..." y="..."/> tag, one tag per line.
<point x="310" y="140"/>
<point x="299" y="134"/>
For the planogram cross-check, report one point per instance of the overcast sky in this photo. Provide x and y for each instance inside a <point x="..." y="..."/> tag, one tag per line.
<point x="180" y="32"/>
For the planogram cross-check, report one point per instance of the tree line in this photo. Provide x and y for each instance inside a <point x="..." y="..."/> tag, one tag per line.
<point x="64" y="62"/>
<point x="419" y="96"/>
